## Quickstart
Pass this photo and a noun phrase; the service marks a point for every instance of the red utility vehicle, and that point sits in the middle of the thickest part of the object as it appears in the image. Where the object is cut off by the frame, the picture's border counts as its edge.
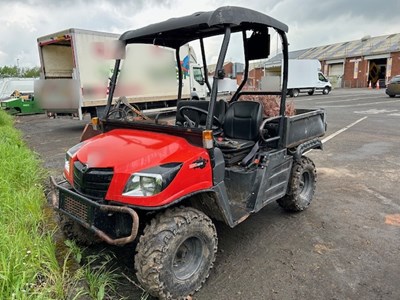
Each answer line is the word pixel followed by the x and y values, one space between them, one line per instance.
pixel 162 185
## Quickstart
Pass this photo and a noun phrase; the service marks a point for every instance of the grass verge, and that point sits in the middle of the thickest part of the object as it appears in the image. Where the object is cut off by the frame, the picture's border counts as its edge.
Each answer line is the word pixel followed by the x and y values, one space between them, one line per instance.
pixel 28 265
pixel 29 268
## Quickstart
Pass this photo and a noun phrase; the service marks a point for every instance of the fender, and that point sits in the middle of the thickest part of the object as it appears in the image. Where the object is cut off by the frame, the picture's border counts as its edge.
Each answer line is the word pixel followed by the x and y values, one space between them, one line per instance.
pixel 312 144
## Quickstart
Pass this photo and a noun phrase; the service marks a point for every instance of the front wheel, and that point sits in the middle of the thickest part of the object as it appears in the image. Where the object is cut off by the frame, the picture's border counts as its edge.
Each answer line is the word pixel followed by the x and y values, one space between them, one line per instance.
pixel 301 186
pixel 326 90
pixel 175 253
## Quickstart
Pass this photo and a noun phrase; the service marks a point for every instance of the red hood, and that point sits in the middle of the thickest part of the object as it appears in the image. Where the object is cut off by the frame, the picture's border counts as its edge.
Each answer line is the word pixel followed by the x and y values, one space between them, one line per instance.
pixel 130 151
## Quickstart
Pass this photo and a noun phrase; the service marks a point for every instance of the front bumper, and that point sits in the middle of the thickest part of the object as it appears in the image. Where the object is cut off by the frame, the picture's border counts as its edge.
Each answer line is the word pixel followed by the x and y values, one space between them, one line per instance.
pixel 83 210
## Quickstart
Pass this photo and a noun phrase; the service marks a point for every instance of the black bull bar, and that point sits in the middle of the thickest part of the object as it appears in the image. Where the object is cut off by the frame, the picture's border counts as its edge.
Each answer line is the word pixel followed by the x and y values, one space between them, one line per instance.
pixel 82 210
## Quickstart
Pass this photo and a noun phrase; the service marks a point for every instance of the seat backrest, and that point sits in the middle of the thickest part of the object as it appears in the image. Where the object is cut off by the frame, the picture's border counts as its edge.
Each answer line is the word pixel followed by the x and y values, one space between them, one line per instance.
pixel 220 110
pixel 243 120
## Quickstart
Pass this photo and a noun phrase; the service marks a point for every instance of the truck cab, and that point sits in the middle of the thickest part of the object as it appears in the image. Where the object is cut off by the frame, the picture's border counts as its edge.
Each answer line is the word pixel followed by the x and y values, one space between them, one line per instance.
pixel 163 182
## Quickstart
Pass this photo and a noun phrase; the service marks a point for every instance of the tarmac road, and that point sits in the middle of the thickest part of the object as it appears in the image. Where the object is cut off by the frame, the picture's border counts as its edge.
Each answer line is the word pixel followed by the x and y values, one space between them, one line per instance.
pixel 345 246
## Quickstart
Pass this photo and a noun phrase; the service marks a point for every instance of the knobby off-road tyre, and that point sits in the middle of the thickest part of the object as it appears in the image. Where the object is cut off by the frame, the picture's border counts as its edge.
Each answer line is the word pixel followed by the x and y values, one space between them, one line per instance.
pixel 77 232
pixel 301 186
pixel 175 253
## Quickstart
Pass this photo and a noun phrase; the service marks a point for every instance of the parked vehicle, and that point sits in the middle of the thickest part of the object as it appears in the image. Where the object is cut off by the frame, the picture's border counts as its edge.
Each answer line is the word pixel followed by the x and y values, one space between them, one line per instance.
pixel 164 185
pixel 21 104
pixel 76 65
pixel 304 76
pixel 8 86
pixel 225 85
pixel 393 87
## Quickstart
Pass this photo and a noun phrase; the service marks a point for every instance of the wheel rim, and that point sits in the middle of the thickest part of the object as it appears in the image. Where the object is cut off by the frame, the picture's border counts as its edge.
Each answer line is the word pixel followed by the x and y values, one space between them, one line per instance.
pixel 305 185
pixel 188 258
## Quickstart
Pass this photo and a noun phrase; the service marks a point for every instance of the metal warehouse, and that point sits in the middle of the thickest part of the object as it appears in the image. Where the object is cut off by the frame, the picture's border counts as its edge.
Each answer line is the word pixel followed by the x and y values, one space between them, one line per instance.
pixel 370 61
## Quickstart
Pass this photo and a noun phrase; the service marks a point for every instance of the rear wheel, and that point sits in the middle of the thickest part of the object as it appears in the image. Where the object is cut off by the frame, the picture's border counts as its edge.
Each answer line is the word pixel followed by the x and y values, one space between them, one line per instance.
pixel 311 92
pixel 175 253
pixel 392 96
pixel 326 90
pixel 301 186
pixel 295 92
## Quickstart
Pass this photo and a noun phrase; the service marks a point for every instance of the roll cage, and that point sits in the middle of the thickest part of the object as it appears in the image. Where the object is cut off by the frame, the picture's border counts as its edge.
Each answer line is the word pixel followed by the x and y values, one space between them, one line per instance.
pixel 175 32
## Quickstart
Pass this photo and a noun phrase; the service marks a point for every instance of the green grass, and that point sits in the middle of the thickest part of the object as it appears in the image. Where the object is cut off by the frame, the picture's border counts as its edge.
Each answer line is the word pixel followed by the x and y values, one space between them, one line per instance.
pixel 29 268
pixel 98 272
pixel 28 265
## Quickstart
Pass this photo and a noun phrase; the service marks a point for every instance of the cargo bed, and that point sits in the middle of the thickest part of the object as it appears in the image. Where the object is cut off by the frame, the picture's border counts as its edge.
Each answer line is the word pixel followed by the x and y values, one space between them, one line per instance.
pixel 305 125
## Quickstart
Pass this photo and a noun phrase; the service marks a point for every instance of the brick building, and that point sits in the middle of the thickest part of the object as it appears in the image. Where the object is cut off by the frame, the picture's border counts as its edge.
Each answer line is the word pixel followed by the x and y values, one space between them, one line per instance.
pixel 234 70
pixel 355 63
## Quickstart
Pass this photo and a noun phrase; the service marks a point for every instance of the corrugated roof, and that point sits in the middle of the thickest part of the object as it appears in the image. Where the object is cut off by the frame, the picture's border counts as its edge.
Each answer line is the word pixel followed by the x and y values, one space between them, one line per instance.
pixel 362 47
pixel 277 59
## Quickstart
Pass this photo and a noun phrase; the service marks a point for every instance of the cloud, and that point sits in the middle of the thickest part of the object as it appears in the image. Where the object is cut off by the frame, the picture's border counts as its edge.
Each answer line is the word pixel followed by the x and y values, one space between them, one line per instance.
pixel 311 22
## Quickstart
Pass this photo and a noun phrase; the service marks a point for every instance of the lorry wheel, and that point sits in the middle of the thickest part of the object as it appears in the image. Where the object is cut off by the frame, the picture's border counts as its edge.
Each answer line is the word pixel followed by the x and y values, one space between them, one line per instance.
pixel 175 253
pixel 326 91
pixel 77 232
pixel 301 186
pixel 295 92
pixel 311 92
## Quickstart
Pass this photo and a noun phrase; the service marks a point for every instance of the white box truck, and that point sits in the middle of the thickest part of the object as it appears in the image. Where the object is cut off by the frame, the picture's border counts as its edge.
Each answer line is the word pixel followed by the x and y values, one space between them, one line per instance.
pixel 76 66
pixel 304 75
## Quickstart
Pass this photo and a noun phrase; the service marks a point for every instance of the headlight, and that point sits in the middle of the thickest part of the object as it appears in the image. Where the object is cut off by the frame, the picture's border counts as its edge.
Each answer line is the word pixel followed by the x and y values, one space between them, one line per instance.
pixel 143 185
pixel 151 181
pixel 75 149
pixel 67 163
pixel 71 152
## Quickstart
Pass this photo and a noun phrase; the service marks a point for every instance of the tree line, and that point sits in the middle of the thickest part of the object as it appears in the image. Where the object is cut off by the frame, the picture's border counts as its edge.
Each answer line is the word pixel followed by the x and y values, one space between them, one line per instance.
pixel 15 71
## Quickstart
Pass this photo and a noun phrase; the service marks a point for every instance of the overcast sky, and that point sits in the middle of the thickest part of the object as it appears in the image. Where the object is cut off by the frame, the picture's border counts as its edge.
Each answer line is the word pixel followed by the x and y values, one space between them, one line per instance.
pixel 311 22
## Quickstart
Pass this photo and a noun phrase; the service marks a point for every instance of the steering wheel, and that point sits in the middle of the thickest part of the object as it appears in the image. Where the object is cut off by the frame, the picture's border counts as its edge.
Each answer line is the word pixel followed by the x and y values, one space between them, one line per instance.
pixel 198 112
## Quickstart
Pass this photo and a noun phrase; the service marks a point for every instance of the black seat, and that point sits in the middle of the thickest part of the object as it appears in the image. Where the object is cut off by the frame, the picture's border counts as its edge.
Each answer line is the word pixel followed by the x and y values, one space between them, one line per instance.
pixel 241 129
pixel 220 110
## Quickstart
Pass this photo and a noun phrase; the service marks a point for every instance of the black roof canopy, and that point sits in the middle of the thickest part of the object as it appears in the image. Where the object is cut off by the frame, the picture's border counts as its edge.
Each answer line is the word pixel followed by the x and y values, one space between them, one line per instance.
pixel 179 31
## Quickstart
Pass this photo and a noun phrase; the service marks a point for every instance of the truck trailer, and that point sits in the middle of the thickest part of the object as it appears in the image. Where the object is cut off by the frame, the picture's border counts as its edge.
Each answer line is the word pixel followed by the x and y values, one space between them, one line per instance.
pixel 76 66
pixel 304 76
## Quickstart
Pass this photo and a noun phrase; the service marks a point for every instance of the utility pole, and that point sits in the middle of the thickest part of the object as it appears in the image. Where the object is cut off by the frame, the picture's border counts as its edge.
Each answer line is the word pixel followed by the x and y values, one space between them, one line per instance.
pixel 18 73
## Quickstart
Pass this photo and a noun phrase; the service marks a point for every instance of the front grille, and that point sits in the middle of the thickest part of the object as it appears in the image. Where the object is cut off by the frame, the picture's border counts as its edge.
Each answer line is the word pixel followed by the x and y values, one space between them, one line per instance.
pixel 76 208
pixel 92 182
